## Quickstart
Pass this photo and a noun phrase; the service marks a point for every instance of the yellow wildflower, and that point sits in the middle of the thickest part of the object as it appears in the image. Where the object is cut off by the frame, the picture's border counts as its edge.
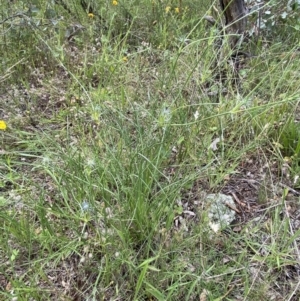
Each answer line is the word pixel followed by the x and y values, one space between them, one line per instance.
pixel 91 15
pixel 2 125
pixel 168 8
pixel 177 10
pixel 115 2
pixel 125 59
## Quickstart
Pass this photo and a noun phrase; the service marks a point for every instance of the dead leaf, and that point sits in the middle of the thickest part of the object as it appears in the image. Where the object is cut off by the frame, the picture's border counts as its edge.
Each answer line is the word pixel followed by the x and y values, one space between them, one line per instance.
pixel 225 260
pixel 204 295
pixel 188 212
pixel 8 287
pixel 237 229
pixel 213 145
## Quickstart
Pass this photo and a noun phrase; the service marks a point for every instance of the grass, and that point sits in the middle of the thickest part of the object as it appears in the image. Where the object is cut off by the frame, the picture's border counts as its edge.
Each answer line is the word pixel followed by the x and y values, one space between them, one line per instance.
pixel 116 132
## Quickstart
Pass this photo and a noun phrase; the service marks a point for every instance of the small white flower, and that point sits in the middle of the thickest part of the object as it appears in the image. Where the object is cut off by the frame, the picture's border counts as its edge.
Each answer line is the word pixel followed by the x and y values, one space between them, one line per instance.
pixel 90 162
pixel 46 161
pixel 166 114
pixel 165 117
pixel 85 206
pixel 196 115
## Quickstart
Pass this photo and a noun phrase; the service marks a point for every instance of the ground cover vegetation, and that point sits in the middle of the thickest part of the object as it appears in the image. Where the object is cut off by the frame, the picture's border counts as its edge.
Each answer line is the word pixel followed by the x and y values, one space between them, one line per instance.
pixel 117 119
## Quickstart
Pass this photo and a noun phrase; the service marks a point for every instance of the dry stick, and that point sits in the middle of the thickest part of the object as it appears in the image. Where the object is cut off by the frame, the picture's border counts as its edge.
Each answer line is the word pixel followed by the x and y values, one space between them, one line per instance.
pixel 289 188
pixel 11 17
pixel 232 207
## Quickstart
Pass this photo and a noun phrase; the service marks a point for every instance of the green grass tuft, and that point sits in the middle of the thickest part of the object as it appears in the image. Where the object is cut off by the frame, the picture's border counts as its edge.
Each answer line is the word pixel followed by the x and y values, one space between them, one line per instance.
pixel 118 126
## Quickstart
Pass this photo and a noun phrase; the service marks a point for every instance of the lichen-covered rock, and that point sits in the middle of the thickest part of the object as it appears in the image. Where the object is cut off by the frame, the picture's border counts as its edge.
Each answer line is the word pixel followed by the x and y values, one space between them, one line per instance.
pixel 219 210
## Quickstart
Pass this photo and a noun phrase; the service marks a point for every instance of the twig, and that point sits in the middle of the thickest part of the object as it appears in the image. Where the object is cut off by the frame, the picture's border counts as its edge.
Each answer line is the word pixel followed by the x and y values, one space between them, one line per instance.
pixel 11 17
pixel 232 207
pixel 289 188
